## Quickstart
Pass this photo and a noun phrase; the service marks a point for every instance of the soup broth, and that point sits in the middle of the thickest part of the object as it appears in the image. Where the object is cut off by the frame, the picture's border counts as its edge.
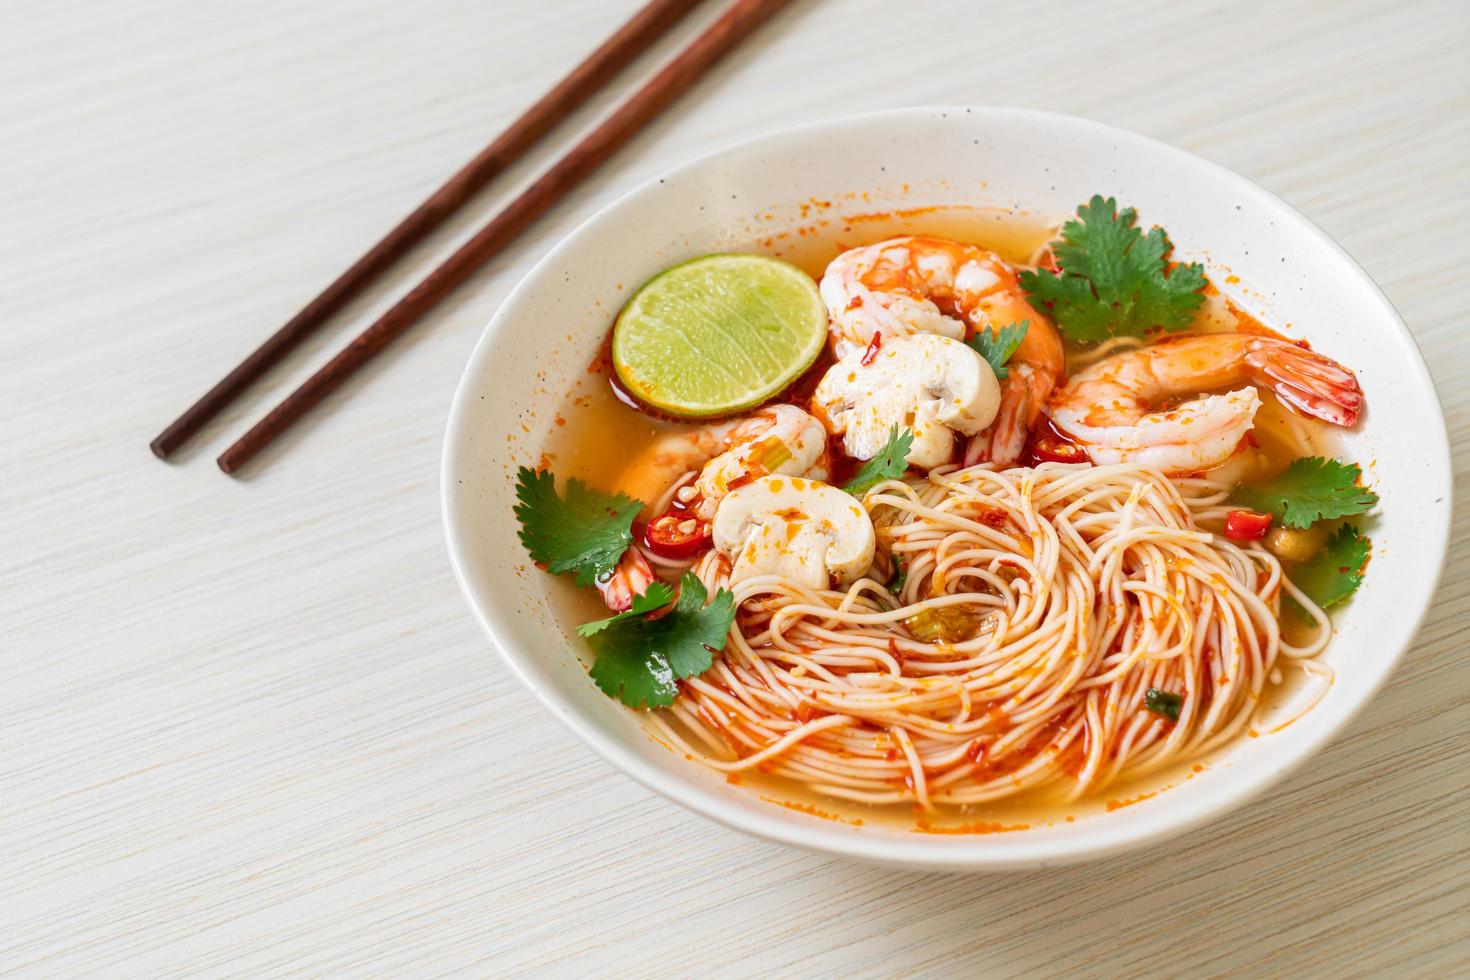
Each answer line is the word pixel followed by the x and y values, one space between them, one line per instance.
pixel 600 428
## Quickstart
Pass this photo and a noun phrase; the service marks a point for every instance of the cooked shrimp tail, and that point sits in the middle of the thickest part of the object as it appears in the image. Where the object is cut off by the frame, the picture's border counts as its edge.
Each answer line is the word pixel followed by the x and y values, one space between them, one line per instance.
pixel 1022 394
pixel 1308 382
pixel 632 576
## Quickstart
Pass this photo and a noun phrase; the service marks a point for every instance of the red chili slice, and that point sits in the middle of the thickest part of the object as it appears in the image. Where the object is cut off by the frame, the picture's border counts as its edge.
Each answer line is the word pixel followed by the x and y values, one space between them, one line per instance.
pixel 1246 525
pixel 676 536
pixel 872 350
pixel 1048 444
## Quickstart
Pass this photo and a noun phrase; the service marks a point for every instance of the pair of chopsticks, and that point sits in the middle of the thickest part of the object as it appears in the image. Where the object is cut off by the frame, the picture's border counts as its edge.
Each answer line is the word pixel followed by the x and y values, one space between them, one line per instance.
pixel 674 79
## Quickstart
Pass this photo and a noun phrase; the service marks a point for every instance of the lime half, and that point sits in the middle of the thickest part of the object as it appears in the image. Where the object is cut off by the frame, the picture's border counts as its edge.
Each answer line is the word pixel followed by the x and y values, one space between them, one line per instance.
pixel 718 334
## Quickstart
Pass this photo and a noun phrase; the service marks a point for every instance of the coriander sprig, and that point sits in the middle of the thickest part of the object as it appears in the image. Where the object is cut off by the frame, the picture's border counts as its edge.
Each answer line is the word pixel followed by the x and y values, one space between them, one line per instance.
pixel 1311 489
pixel 890 463
pixel 1113 280
pixel 998 347
pixel 1337 570
pixel 583 533
pixel 641 658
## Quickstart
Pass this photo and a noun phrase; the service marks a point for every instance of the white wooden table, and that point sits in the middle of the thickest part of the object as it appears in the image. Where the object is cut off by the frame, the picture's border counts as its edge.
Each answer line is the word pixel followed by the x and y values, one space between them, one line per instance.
pixel 247 726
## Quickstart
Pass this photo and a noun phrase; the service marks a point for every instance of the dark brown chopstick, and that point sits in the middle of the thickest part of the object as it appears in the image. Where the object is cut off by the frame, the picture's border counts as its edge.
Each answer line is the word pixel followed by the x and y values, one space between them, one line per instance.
pixel 631 40
pixel 672 81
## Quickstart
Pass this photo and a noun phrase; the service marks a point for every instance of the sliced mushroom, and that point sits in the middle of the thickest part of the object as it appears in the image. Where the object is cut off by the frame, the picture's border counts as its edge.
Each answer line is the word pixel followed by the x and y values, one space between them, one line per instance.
pixel 804 530
pixel 930 385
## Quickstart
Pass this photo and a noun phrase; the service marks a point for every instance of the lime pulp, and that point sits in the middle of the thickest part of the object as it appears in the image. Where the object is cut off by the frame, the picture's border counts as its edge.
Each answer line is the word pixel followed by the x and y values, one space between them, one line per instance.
pixel 718 334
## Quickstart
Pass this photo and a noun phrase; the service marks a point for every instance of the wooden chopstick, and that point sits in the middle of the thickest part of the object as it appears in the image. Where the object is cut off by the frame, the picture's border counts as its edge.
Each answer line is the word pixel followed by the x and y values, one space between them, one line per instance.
pixel 672 81
pixel 631 40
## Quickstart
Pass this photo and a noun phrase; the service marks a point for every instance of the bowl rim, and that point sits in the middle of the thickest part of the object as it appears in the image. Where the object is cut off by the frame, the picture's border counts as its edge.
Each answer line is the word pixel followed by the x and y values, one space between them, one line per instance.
pixel 924 853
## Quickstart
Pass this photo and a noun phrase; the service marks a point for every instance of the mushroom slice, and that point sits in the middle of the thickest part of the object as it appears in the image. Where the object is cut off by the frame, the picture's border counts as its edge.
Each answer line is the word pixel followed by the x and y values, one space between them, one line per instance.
pixel 931 385
pixel 801 529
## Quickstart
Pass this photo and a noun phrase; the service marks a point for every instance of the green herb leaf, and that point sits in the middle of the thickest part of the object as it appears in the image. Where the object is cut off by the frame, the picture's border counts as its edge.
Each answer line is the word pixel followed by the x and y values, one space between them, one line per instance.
pixel 640 660
pixel 900 574
pixel 652 599
pixel 890 463
pixel 1115 281
pixel 997 347
pixel 584 533
pixel 1337 571
pixel 1311 489
pixel 1165 703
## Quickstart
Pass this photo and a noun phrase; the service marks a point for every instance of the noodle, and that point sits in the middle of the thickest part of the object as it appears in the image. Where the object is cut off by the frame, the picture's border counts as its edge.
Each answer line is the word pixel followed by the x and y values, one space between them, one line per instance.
pixel 1040 607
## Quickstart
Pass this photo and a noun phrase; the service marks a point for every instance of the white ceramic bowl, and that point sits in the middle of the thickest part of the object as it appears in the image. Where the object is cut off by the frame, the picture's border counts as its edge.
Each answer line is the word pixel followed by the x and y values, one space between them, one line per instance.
pixel 539 344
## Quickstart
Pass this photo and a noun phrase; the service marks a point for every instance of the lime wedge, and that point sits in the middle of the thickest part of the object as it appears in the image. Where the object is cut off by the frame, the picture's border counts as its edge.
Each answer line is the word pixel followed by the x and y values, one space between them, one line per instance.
pixel 718 334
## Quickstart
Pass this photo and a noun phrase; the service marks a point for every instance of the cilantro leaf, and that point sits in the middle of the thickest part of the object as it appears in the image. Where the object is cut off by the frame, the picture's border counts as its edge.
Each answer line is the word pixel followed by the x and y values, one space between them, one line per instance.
pixel 997 347
pixel 585 533
pixel 1337 571
pixel 900 575
pixel 1310 489
pixel 1165 703
pixel 639 660
pixel 889 464
pixel 651 599
pixel 1115 281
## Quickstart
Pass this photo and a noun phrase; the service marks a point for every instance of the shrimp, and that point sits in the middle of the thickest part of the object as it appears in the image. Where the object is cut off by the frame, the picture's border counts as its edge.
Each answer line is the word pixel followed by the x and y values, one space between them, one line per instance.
pixel 1031 374
pixel 780 439
pixel 1106 407
pixel 912 285
pixel 630 577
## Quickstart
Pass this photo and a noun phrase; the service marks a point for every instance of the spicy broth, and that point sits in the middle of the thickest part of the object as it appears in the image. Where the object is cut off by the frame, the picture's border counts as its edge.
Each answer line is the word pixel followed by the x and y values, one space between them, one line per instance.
pixel 599 431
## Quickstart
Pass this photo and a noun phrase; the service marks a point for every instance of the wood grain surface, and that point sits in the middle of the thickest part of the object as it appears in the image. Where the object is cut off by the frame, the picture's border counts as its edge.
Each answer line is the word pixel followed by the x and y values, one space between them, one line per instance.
pixel 249 727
